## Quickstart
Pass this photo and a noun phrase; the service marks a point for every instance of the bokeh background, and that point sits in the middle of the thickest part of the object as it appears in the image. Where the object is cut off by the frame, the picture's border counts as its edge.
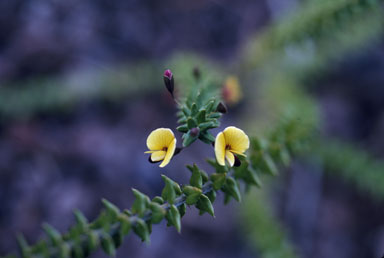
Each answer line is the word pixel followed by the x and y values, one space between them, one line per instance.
pixel 81 88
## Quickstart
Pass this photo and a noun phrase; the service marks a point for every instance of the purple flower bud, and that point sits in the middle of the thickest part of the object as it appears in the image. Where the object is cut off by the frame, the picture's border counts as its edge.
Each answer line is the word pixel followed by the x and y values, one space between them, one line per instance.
pixel 195 131
pixel 221 108
pixel 169 81
pixel 168 74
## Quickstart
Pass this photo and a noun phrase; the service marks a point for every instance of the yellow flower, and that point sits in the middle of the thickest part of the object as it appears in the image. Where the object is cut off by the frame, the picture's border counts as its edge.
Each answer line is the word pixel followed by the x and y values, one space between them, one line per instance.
pixel 161 144
pixel 231 91
pixel 229 142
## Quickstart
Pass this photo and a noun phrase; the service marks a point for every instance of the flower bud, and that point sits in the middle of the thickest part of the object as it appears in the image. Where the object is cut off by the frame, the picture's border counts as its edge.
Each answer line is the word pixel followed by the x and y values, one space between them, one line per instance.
pixel 195 131
pixel 196 73
pixel 169 81
pixel 221 108
pixel 231 91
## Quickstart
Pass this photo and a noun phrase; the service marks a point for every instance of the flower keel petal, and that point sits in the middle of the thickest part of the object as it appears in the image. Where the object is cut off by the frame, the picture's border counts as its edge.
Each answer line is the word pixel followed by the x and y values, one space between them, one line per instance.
pixel 158 155
pixel 230 158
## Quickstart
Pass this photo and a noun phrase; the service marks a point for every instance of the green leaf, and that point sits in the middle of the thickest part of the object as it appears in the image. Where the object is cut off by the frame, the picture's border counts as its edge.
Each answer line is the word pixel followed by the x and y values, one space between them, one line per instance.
pixel 192 193
pixel 93 240
pixel 206 137
pixel 227 198
pixel 208 125
pixel 182 128
pixel 78 251
pixel 112 210
pixel 188 139
pixel 204 204
pixel 100 221
pixel 141 203
pixel 158 212
pixel 285 157
pixel 186 111
pixel 182 208
pixel 149 226
pixel 127 212
pixel 218 180
pixel 64 250
pixel 182 120
pixel 53 234
pixel 246 173
pixel 24 247
pixel 194 109
pixel 211 195
pixel 196 179
pixel 218 168
pixel 123 230
pixel 75 234
pixel 173 217
pixel 141 229
pixel 81 220
pixel 158 200
pixel 210 105
pixel 201 116
pixel 232 188
pixel 168 193
pixel 215 115
pixel 204 176
pixel 252 177
pixel 125 224
pixel 175 185
pixel 191 123
pixel 107 244
pixel 41 247
pixel 269 166
pixel 258 144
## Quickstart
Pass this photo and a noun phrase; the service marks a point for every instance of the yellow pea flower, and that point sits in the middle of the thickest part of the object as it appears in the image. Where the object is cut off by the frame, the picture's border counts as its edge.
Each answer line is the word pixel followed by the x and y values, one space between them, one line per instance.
pixel 162 145
pixel 231 91
pixel 229 142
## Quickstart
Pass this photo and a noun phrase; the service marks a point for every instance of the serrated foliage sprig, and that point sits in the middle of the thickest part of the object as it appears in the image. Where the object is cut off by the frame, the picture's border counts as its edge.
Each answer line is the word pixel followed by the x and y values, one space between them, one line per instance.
pixel 199 112
pixel 109 229
pixel 112 225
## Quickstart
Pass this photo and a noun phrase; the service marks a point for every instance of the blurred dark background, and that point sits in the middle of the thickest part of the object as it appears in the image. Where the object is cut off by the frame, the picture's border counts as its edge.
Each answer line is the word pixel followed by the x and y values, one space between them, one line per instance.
pixel 53 162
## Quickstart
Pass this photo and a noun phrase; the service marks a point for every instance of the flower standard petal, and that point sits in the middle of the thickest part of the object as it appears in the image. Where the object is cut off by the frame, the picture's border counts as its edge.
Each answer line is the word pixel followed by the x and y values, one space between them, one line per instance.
pixel 158 155
pixel 230 157
pixel 236 139
pixel 160 139
pixel 220 149
pixel 169 154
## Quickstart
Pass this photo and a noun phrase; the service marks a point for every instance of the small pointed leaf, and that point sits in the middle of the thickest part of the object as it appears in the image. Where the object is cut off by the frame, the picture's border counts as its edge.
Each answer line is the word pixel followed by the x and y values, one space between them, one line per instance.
pixel 205 204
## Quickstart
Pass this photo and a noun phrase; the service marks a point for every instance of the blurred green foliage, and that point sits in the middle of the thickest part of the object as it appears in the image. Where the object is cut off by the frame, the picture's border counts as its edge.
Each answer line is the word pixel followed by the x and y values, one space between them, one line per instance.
pixel 264 231
pixel 353 164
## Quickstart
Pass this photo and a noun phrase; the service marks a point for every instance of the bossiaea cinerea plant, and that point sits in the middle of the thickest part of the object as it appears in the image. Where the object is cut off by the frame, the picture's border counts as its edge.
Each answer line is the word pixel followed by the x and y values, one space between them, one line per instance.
pixel 237 159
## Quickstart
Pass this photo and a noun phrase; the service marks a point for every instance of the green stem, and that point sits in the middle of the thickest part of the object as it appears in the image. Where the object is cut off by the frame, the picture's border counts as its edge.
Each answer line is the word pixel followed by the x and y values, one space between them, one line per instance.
pixel 115 228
